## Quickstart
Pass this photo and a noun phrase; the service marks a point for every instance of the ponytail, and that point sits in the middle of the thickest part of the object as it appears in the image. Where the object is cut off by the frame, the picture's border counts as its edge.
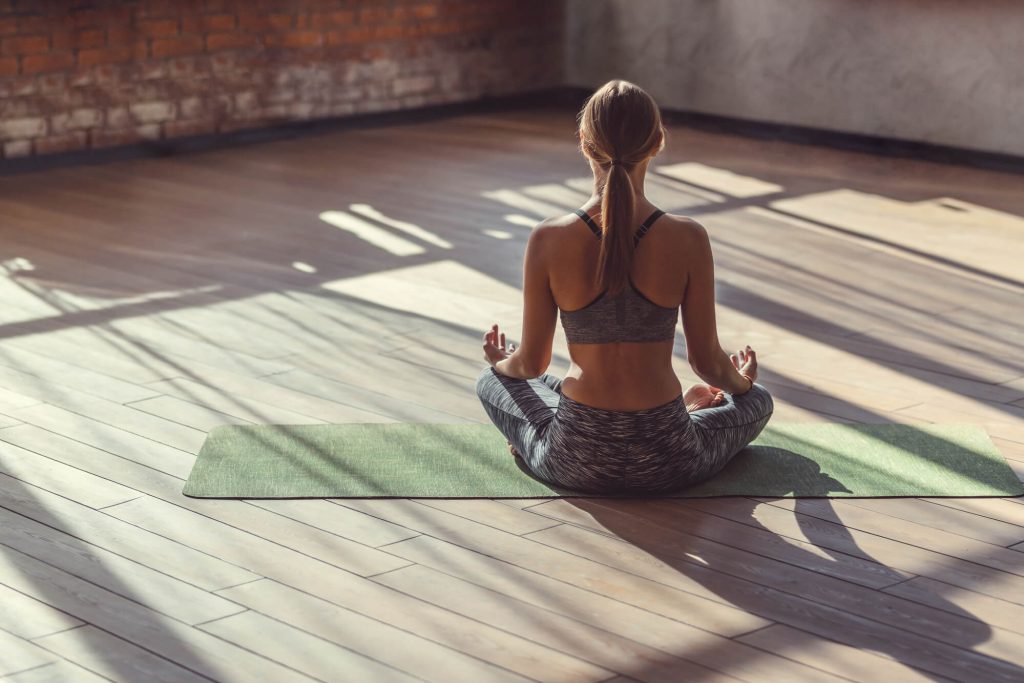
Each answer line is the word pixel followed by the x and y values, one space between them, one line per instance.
pixel 619 127
pixel 617 206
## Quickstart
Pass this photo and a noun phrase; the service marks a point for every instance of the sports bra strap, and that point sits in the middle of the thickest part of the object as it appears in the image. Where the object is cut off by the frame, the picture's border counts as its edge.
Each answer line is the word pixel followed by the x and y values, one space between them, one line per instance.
pixel 644 227
pixel 590 222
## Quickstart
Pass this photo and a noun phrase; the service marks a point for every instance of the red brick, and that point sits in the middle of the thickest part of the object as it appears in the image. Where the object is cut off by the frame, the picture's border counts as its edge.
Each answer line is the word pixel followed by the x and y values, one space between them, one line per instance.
pixel 175 129
pixel 280 21
pixel 67 40
pixel 174 47
pixel 120 35
pixel 26 45
pixel 61 143
pixel 373 15
pixel 105 55
pixel 34 64
pixel 425 11
pixel 191 24
pixel 218 22
pixel 8 66
pixel 159 28
pixel 347 36
pixel 8 25
pixel 87 17
pixel 259 21
pixel 229 41
pixel 113 138
pixel 389 32
pixel 32 23
pixel 324 20
pixel 297 39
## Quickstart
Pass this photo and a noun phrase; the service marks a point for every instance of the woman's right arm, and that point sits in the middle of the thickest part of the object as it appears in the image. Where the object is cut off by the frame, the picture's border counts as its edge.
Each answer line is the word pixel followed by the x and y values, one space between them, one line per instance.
pixel 703 349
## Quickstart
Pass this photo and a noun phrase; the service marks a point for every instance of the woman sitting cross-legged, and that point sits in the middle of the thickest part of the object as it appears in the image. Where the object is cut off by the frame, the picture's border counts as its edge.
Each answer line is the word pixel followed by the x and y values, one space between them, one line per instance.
pixel 619 270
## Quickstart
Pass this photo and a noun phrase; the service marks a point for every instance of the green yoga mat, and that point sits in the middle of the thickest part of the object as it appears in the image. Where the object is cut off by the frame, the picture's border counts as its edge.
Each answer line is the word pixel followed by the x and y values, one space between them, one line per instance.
pixel 473 461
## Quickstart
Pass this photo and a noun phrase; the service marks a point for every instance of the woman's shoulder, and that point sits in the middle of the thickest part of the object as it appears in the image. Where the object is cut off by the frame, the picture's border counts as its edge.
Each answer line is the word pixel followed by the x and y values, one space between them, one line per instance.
pixel 683 230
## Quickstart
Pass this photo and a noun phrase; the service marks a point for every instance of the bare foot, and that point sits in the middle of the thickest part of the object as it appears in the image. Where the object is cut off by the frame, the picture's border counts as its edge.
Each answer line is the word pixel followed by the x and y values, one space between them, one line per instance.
pixel 701 396
pixel 513 451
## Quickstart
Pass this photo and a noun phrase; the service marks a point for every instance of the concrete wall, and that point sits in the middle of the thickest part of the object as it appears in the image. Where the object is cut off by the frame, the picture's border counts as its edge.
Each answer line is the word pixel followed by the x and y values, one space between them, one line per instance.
pixel 947 72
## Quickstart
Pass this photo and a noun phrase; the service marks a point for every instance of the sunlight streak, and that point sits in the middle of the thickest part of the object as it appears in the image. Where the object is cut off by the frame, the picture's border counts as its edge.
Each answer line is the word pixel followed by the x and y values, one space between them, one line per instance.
pixel 404 226
pixel 370 233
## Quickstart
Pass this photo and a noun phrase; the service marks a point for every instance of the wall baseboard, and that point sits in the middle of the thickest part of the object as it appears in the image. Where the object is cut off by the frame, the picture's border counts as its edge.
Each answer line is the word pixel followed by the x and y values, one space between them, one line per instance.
pixel 570 96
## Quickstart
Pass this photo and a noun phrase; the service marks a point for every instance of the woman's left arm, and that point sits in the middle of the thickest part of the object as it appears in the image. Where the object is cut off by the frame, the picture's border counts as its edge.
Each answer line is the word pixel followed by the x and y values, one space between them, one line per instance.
pixel 540 313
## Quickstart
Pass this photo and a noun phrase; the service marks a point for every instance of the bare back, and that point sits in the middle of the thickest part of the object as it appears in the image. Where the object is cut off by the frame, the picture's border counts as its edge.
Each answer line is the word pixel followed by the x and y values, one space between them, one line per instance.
pixel 621 375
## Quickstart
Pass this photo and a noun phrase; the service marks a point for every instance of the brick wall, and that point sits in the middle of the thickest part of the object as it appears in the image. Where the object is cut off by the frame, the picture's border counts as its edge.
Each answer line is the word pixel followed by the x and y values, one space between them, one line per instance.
pixel 77 75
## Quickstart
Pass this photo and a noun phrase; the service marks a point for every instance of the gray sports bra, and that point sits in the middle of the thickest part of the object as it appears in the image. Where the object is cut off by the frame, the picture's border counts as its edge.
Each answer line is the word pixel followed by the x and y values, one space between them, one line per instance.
pixel 628 316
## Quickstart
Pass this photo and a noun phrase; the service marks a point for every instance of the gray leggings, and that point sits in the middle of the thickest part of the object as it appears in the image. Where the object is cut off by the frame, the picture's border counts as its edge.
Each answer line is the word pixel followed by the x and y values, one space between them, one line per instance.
pixel 593 450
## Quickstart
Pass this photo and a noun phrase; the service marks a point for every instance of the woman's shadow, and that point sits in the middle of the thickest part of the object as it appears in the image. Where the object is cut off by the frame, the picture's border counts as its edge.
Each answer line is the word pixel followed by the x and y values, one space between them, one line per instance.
pixel 811 591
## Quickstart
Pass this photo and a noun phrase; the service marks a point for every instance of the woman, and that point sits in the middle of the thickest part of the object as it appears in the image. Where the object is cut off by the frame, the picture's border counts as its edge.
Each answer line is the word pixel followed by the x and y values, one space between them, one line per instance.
pixel 619 270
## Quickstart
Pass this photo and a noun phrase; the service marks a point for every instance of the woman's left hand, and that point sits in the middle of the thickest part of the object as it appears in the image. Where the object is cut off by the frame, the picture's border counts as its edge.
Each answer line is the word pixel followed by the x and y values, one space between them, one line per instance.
pixel 494 345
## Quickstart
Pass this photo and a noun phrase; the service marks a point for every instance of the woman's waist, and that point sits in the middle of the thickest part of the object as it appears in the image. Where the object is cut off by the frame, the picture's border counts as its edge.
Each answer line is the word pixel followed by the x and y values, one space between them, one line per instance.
pixel 621 392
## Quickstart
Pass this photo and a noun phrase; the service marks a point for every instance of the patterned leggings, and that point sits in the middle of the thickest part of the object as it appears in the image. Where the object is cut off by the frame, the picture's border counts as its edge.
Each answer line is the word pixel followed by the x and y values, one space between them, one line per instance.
pixel 593 450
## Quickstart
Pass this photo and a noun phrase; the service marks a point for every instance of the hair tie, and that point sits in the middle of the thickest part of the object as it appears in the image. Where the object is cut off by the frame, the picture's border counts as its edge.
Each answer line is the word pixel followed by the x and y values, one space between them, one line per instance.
pixel 616 161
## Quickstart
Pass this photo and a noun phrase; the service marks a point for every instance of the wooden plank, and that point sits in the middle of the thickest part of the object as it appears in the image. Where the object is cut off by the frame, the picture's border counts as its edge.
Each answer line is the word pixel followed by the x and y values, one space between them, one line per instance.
pixel 445 394
pixel 874 521
pixel 824 605
pixel 281 543
pixel 328 410
pixel 319 659
pixel 993 611
pixel 86 430
pixel 998 509
pixel 490 512
pixel 832 536
pixel 159 344
pixel 85 417
pixel 70 375
pixel 219 518
pixel 341 521
pixel 669 637
pixel 19 654
pixel 367 399
pixel 709 536
pixel 122 576
pixel 114 658
pixel 414 637
pixel 241 406
pixel 56 672
pixel 950 519
pixel 53 476
pixel 576 638
pixel 100 529
pixel 842 660
pixel 189 647
pixel 652 596
pixel 186 413
pixel 10 400
pixel 28 618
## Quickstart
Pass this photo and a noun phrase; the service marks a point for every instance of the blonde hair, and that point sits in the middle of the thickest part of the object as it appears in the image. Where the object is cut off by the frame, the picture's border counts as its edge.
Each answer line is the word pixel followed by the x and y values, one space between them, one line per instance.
pixel 618 122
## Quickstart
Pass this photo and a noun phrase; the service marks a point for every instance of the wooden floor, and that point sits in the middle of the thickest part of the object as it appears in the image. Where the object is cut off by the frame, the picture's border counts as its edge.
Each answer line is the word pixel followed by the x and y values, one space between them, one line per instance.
pixel 348 277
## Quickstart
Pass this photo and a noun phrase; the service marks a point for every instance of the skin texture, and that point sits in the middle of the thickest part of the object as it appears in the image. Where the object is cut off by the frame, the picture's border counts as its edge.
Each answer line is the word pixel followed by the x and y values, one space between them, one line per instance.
pixel 672 266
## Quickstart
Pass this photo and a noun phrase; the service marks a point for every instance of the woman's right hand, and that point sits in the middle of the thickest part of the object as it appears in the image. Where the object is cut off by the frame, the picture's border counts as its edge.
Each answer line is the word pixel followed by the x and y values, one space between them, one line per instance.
pixel 745 362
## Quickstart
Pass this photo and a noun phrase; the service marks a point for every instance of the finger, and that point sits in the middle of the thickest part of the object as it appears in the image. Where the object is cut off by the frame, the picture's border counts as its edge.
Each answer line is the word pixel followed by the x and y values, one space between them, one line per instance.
pixel 735 361
pixel 502 337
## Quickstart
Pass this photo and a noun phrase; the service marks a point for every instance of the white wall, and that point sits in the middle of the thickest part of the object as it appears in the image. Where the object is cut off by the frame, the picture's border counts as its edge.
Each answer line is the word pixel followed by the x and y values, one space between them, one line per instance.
pixel 947 72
